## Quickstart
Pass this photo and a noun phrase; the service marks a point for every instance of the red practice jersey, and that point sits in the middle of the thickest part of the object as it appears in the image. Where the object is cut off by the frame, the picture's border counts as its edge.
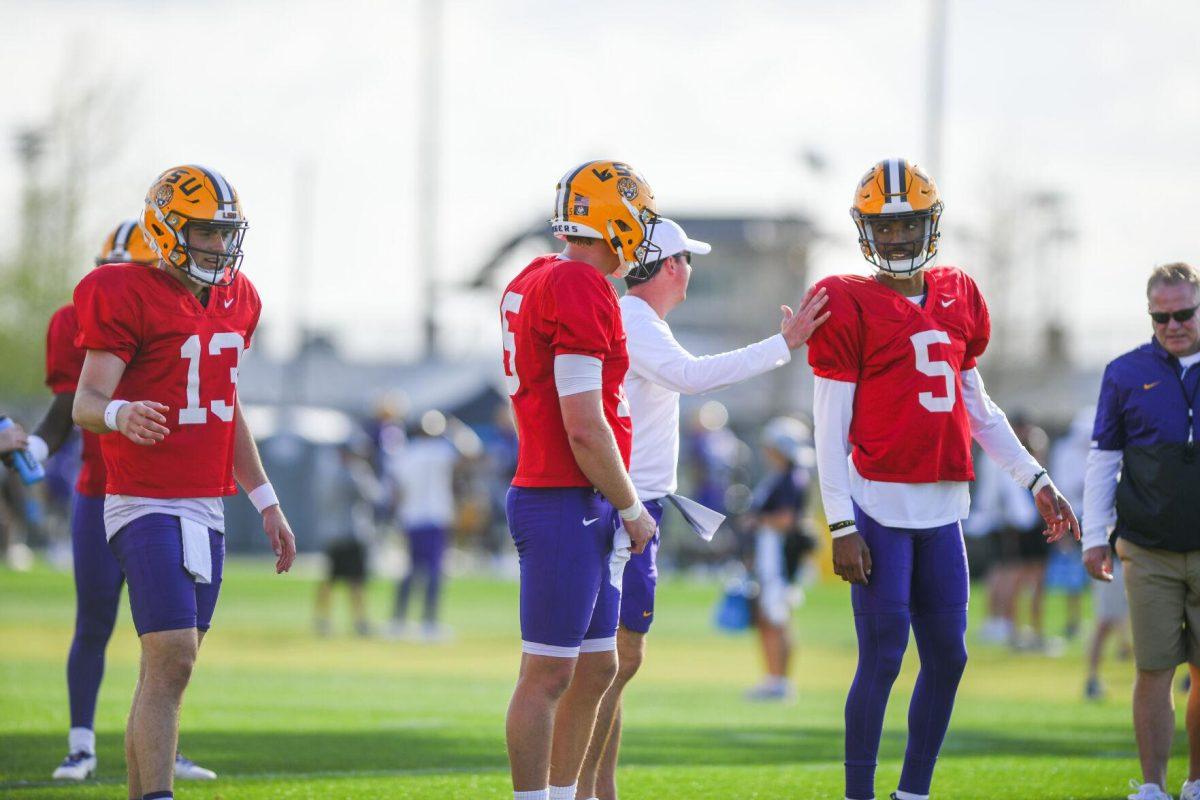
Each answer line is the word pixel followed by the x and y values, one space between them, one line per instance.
pixel 64 361
pixel 557 307
pixel 909 423
pixel 179 353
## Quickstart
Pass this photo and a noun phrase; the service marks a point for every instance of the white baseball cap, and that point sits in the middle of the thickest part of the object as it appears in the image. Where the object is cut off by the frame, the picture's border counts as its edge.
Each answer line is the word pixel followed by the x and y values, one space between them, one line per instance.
pixel 669 237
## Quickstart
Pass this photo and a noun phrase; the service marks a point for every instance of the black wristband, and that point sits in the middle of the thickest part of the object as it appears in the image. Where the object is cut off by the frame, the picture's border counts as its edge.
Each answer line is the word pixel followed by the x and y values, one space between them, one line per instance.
pixel 837 526
pixel 1036 478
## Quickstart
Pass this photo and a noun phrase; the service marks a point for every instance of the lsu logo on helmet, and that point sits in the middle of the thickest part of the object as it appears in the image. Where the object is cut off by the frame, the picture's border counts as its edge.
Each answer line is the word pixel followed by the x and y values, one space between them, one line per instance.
pixel 126 245
pixel 610 201
pixel 193 219
pixel 896 210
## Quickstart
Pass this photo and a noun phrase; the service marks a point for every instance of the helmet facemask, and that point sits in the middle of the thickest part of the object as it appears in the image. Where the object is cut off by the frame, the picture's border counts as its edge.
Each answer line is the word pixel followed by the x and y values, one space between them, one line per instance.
pixel 899 255
pixel 203 262
pixel 645 253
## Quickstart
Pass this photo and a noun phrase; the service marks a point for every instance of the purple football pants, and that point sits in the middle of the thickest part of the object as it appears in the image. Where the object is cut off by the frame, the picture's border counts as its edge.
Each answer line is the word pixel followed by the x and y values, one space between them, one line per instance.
pixel 98 581
pixel 919 579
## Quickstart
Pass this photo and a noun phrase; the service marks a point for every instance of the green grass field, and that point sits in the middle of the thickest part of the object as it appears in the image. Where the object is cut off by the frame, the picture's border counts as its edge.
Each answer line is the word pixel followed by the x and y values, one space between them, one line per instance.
pixel 279 713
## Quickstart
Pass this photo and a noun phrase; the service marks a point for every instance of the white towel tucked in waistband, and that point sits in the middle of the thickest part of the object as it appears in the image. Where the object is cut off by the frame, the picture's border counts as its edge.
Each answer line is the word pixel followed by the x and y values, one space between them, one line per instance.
pixel 622 547
pixel 197 551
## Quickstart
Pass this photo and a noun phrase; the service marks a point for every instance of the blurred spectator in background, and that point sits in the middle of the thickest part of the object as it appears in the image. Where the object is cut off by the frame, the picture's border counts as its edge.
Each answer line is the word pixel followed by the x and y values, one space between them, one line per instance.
pixel 1064 570
pixel 780 544
pixel 713 454
pixel 348 493
pixel 424 474
pixel 1110 609
pixel 1019 552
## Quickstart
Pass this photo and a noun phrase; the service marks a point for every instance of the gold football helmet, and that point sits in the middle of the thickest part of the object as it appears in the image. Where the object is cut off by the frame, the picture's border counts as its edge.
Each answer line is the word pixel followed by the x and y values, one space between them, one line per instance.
pixel 126 245
pixel 190 211
pixel 609 200
pixel 897 209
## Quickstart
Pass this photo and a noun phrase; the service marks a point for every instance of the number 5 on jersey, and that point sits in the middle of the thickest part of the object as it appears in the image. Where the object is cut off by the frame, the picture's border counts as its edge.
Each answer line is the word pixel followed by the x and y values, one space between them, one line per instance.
pixel 937 369
pixel 194 413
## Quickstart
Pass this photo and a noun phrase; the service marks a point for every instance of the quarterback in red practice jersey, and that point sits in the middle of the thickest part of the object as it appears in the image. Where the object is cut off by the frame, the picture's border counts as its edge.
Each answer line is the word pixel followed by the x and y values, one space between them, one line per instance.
pixel 163 350
pixel 897 402
pixel 572 509
pixel 98 576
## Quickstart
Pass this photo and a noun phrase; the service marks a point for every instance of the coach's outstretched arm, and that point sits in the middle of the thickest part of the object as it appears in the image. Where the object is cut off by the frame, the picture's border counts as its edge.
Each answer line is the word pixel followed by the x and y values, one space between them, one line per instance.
pixel 141 421
pixel 250 475
pixel 596 452
pixel 990 427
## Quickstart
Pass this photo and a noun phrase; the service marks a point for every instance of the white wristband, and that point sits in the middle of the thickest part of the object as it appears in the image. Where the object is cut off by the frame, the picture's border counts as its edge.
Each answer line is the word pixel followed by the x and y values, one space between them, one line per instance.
pixel 110 413
pixel 263 497
pixel 38 448
pixel 1041 483
pixel 631 513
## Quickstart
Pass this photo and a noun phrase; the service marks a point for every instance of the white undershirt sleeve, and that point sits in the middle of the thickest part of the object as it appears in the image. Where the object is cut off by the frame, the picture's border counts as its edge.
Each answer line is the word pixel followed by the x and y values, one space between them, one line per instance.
pixel 655 354
pixel 575 374
pixel 990 427
pixel 1100 495
pixel 833 407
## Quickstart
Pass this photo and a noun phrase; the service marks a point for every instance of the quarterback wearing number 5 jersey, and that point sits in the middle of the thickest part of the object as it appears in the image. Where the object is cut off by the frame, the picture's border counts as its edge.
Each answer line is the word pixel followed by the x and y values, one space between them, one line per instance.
pixel 572 510
pixel 897 401
pixel 164 345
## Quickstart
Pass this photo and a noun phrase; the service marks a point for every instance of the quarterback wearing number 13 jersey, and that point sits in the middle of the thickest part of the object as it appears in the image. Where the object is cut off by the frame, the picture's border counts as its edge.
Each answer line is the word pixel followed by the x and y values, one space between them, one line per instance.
pixel 180 353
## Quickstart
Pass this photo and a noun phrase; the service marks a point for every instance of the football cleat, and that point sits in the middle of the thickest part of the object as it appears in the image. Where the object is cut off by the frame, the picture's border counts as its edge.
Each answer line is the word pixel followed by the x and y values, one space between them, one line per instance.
pixel 126 245
pixel 609 200
pixel 188 770
pixel 193 220
pixel 896 210
pixel 1147 791
pixel 76 767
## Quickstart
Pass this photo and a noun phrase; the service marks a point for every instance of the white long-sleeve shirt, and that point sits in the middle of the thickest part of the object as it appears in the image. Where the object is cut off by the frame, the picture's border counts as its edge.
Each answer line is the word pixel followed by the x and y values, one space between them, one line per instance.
pixel 1100 495
pixel 660 370
pixel 907 505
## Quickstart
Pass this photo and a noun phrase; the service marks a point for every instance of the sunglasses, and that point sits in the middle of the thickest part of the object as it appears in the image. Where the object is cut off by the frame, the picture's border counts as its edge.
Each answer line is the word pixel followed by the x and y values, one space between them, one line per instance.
pixel 1182 315
pixel 686 256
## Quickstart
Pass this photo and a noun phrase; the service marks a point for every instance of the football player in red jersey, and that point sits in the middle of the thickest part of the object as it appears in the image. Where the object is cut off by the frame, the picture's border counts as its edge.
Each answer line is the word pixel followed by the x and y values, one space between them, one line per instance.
pixel 898 399
pixel 572 509
pixel 163 348
pixel 98 576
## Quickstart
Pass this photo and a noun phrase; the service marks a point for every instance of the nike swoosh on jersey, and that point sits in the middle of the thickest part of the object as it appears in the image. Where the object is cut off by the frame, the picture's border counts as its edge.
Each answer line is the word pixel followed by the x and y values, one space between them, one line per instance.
pixel 587 521
pixel 647 613
pixel 229 302
pixel 1148 386
pixel 948 303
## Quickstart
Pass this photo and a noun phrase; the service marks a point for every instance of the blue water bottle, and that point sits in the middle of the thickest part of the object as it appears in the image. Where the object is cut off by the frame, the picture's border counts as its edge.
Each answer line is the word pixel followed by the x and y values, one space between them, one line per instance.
pixel 20 460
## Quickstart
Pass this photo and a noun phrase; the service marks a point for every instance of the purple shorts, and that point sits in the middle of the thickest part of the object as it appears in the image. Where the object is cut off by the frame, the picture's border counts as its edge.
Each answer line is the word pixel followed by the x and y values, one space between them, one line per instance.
pixel 641 579
pixel 162 594
pixel 564 540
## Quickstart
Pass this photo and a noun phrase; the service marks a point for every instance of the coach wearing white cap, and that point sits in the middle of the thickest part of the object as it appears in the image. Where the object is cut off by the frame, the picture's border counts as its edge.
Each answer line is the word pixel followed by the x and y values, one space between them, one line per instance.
pixel 660 370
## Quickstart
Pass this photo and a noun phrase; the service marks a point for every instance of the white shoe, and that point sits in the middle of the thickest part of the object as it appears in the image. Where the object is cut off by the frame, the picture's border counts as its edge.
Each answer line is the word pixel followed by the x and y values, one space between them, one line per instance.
pixel 188 770
pixel 76 767
pixel 1147 791
pixel 1190 790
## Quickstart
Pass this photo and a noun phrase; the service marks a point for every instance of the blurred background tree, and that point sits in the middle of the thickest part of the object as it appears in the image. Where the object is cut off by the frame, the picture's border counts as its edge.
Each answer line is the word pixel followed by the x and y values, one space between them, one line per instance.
pixel 60 161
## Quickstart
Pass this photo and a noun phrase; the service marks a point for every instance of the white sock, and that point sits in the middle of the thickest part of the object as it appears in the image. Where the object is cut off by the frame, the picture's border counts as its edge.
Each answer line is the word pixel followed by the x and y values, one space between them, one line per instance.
pixel 81 740
pixel 910 796
pixel 563 792
pixel 536 794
